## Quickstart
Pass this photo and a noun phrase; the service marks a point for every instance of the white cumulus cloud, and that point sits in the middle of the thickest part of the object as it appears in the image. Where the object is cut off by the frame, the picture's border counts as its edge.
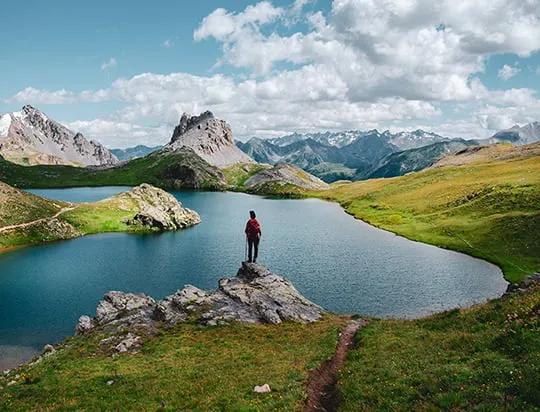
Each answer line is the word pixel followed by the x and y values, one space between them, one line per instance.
pixel 365 64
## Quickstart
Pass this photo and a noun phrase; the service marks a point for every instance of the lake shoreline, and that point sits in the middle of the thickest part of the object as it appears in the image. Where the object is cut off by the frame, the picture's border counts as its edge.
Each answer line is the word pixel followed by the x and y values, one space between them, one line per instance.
pixel 353 225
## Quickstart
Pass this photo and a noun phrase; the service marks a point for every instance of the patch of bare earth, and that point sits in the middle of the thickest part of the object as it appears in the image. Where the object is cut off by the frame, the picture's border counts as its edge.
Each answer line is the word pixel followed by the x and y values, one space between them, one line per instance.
pixel 322 389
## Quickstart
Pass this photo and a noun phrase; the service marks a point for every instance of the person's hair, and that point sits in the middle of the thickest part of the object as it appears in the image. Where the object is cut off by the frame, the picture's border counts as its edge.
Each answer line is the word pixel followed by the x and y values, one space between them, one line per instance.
pixel 252 214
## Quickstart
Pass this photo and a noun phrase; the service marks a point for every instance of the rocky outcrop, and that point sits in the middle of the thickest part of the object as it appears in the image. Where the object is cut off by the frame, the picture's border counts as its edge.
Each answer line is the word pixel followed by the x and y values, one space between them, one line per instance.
pixel 254 295
pixel 283 175
pixel 210 138
pixel 29 137
pixel 188 122
pixel 158 209
pixel 524 285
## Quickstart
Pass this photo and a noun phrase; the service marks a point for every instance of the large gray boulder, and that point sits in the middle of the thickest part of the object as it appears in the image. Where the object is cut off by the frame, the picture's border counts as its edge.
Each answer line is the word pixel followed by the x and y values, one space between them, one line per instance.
pixel 254 295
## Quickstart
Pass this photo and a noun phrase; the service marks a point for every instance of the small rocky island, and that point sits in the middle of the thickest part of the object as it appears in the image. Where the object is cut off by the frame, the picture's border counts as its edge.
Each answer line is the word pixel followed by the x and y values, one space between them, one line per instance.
pixel 254 295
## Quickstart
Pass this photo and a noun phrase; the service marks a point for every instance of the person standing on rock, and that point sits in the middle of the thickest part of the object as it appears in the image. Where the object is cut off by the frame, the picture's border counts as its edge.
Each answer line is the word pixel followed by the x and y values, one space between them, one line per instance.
pixel 253 236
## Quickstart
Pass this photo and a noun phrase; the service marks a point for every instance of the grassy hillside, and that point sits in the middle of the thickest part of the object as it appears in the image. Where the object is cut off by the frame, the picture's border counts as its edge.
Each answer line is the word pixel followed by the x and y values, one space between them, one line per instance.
pixel 237 175
pixel 17 206
pixel 277 180
pixel 178 169
pixel 187 368
pixel 487 207
pixel 483 358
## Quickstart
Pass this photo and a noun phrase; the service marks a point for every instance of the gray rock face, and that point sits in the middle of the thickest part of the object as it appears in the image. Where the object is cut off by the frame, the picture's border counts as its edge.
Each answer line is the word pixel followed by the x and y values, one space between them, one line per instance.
pixel 210 138
pixel 255 295
pixel 29 137
pixel 85 324
pixel 524 285
pixel 159 209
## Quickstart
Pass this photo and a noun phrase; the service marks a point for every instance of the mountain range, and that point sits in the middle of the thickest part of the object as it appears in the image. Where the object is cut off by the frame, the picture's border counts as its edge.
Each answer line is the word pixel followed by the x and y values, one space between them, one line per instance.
pixel 403 140
pixel 368 154
pixel 29 137
pixel 134 152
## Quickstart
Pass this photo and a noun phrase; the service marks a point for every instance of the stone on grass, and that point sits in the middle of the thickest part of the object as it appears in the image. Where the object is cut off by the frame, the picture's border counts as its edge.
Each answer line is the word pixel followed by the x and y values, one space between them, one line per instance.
pixel 262 389
pixel 130 343
pixel 85 324
pixel 48 349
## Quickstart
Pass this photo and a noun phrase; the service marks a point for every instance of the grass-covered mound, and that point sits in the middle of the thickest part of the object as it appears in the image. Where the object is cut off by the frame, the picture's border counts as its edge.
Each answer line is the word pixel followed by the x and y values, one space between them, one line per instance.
pixel 237 174
pixel 485 208
pixel 483 358
pixel 186 368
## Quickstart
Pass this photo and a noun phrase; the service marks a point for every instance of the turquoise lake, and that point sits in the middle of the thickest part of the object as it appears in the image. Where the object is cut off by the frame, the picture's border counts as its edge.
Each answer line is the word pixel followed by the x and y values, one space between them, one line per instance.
pixel 342 264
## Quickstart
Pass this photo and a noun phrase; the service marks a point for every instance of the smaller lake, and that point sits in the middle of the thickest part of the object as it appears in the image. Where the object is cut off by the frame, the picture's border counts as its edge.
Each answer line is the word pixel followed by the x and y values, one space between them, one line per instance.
pixel 342 264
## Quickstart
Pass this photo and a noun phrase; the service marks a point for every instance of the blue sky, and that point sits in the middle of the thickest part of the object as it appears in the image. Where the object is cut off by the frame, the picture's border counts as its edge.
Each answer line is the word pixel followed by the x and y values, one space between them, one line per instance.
pixel 271 68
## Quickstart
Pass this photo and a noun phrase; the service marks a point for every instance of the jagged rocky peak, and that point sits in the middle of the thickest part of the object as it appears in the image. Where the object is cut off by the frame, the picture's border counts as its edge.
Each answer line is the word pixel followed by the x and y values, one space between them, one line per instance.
pixel 30 137
pixel 209 137
pixel 187 122
pixel 254 295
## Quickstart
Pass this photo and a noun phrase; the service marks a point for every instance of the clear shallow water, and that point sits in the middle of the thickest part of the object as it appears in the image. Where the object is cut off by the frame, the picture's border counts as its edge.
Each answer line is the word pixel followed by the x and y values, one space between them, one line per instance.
pixel 338 262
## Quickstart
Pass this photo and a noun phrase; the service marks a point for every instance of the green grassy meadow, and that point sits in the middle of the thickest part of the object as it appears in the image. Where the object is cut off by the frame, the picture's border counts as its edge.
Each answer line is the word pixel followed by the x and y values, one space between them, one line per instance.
pixel 189 367
pixel 485 358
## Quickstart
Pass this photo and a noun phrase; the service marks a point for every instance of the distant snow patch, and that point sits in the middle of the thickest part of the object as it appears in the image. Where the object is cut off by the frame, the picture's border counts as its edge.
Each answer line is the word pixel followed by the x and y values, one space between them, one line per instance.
pixel 5 122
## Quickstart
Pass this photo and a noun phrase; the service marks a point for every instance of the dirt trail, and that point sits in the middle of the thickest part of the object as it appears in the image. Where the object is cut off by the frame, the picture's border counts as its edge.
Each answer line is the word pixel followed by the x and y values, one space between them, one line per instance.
pixel 322 390
pixel 33 222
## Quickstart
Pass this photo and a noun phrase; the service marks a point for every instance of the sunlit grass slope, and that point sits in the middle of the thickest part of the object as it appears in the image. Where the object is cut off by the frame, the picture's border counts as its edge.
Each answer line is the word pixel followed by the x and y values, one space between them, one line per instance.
pixel 485 358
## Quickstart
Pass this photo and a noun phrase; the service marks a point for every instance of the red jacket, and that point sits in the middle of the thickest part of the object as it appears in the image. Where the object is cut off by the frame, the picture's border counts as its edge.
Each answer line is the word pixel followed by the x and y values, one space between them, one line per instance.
pixel 253 229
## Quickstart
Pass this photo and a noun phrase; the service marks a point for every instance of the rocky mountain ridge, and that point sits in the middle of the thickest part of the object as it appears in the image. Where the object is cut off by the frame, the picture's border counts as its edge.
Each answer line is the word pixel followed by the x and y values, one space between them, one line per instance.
pixel 518 135
pixel 413 160
pixel 208 137
pixel 29 137
pixel 402 140
pixel 368 154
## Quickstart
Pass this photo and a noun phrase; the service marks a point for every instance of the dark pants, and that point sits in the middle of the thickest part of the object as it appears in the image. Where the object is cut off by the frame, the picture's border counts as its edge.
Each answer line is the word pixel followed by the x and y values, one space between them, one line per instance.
pixel 253 244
